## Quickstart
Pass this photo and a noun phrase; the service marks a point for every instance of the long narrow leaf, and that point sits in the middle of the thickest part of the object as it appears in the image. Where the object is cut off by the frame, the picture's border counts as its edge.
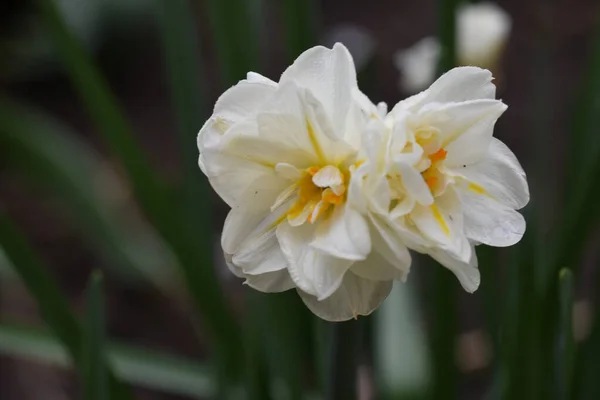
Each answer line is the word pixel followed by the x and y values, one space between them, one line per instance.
pixel 180 51
pixel 139 366
pixel 444 316
pixel 53 156
pixel 300 26
pixel 158 202
pixel 236 38
pixel 567 341
pixel 51 302
pixel 94 362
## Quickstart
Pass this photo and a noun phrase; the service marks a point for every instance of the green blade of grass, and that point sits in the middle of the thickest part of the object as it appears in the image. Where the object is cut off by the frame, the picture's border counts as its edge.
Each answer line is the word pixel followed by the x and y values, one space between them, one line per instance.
pixel 50 154
pixel 94 362
pixel 180 53
pixel 567 341
pixel 159 203
pixel 300 26
pixel 139 366
pixel 236 37
pixel 52 304
pixel 445 324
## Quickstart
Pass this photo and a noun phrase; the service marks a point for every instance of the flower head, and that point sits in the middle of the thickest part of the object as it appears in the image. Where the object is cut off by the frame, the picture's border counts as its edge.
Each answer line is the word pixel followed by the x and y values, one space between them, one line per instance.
pixel 328 191
pixel 451 184
pixel 282 155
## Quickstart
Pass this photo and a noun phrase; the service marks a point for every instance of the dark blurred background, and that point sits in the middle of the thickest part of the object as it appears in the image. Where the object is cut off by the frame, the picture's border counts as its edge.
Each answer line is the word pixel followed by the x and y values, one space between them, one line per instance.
pixel 539 77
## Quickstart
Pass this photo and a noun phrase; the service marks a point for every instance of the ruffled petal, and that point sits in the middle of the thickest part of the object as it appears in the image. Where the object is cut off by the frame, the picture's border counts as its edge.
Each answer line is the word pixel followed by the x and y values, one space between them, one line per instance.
pixel 330 76
pixel 489 221
pixel 312 270
pixel 466 128
pixel 466 272
pixel 356 296
pixel 442 223
pixel 499 175
pixel 271 282
pixel 345 234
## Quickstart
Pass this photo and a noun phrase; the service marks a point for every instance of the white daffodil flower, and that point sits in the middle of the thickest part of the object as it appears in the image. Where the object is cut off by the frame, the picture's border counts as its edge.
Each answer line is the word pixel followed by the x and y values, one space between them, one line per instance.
pixel 450 183
pixel 282 155
pixel 482 33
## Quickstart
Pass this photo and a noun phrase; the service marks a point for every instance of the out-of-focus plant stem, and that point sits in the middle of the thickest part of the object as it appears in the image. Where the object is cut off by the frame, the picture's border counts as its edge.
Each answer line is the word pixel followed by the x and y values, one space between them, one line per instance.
pixel 566 338
pixel 236 36
pixel 346 340
pixel 94 329
pixel 444 313
pixel 300 26
pixel 53 306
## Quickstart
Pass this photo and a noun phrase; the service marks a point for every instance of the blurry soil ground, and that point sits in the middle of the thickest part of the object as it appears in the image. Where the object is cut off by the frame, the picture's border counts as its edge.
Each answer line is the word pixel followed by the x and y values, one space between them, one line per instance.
pixel 548 36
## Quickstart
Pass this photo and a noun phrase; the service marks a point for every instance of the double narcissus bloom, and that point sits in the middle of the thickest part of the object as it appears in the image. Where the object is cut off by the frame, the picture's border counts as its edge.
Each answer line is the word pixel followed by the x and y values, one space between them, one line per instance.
pixel 328 191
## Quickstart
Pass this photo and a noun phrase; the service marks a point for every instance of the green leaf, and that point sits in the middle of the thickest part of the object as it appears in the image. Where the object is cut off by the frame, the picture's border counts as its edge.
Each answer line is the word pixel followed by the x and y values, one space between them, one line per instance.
pixel 300 26
pixel 236 35
pixel 94 362
pixel 140 366
pixel 53 306
pixel 52 155
pixel 160 204
pixel 444 308
pixel 181 56
pixel 344 352
pixel 566 339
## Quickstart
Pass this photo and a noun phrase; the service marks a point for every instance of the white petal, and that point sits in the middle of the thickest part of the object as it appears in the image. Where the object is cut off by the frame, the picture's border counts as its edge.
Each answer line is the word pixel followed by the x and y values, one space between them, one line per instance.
pixel 377 268
pixel 356 188
pixel 249 238
pixel 356 296
pixel 311 270
pixel 328 176
pixel 240 177
pixel 389 244
pixel 234 270
pixel 288 171
pixel 243 100
pixel 415 184
pixel 461 84
pixel 465 128
pixel 268 152
pixel 442 223
pixel 389 259
pixel 499 175
pixel 344 235
pixel 258 78
pixel 300 127
pixel 330 76
pixel 235 105
pixel 490 222
pixel 466 272
pixel 271 282
pixel 468 132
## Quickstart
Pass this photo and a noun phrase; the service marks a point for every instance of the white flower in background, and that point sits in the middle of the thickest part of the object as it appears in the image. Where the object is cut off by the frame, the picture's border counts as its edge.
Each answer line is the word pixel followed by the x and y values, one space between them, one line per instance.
pixel 418 64
pixel 450 183
pixel 482 33
pixel 282 155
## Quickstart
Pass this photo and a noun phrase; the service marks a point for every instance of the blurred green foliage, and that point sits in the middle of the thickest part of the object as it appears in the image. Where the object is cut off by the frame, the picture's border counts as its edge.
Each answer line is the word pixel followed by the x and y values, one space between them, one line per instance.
pixel 281 351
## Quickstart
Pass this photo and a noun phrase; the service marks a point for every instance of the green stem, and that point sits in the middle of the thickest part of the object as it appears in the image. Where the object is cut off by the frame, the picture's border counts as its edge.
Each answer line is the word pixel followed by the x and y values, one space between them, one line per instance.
pixel 345 351
pixel 444 314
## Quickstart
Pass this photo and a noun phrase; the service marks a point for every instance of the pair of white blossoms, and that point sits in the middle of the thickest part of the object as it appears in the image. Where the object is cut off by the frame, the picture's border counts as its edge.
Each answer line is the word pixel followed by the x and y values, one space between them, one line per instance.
pixel 328 191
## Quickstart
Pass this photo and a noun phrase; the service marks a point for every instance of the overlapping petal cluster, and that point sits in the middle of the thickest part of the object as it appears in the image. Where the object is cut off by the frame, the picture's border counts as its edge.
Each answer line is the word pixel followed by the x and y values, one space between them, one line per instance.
pixel 328 192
